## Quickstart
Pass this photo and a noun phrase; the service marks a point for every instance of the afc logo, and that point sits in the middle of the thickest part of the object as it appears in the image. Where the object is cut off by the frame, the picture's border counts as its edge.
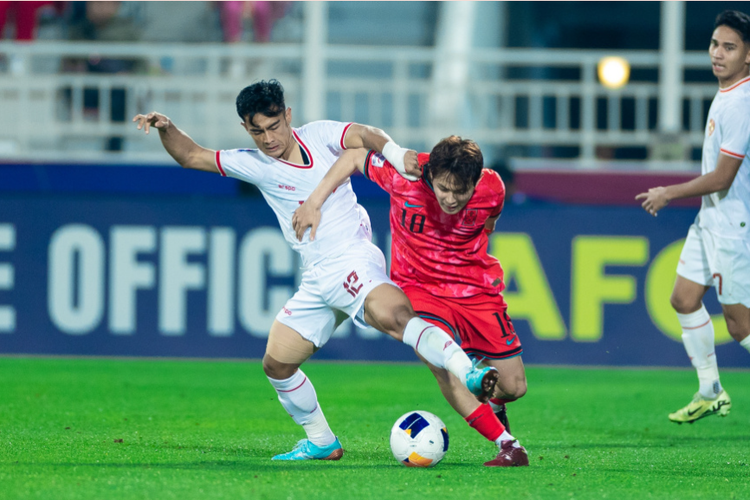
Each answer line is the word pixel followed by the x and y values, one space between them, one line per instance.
pixel 470 217
pixel 377 160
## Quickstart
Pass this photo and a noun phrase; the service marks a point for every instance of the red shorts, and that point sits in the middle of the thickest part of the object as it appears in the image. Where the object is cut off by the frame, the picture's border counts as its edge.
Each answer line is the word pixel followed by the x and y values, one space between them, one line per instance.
pixel 480 323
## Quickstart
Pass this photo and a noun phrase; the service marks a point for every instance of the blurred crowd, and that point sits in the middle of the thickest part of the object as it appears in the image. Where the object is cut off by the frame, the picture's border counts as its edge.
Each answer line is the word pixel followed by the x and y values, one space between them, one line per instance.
pixel 153 21
pixel 178 22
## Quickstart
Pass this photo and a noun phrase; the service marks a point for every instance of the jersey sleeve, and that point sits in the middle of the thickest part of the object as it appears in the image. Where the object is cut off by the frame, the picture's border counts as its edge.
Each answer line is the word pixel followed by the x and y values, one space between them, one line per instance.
pixel 240 164
pixel 380 171
pixel 496 191
pixel 735 134
pixel 328 132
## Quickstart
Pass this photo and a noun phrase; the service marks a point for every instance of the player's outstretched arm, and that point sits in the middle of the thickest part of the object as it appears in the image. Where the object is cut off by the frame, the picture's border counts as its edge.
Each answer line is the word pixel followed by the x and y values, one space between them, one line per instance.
pixel 309 214
pixel 720 179
pixel 404 160
pixel 178 144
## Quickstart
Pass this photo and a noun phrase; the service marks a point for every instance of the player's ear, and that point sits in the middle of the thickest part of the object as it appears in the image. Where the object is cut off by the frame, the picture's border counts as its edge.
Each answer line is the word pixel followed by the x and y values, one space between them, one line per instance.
pixel 288 115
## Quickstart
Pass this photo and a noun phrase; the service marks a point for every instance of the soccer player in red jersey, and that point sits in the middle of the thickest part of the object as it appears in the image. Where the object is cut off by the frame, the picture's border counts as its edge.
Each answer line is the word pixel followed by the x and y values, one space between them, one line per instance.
pixel 439 225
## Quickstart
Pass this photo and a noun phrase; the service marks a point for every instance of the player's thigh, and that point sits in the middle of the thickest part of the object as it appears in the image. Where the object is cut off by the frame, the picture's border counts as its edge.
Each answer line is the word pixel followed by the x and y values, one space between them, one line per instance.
pixel 512 376
pixel 695 273
pixel 308 314
pixel 286 350
pixel 737 317
pixel 357 283
pixel 687 295
pixel 388 309
pixel 486 329
pixel 439 311
pixel 732 271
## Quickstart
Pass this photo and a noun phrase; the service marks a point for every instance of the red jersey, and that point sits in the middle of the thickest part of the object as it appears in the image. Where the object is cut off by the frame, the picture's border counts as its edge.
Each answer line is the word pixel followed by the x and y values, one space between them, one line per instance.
pixel 444 254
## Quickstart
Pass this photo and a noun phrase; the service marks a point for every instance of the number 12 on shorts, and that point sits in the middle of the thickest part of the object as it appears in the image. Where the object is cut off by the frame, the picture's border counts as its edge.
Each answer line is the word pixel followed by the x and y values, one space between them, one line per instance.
pixel 350 285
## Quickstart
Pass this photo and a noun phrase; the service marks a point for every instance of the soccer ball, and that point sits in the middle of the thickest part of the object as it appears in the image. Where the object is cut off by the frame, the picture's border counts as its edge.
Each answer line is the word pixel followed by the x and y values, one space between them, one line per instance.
pixel 419 439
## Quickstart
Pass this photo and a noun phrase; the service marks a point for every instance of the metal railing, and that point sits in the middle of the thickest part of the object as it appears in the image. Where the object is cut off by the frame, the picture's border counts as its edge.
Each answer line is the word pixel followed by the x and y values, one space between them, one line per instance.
pixel 514 97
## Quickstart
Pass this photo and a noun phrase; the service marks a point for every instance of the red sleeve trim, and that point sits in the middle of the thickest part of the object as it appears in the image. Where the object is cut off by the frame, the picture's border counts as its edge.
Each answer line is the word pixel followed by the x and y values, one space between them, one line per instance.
pixel 733 155
pixel 343 136
pixel 218 164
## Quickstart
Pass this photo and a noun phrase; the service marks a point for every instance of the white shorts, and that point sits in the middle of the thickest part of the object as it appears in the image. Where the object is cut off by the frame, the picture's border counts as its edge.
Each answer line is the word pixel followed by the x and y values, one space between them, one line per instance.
pixel 333 290
pixel 724 263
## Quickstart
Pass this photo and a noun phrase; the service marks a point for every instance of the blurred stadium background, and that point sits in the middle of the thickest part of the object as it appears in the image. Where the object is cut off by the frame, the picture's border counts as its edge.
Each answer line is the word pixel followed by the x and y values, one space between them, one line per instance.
pixel 106 248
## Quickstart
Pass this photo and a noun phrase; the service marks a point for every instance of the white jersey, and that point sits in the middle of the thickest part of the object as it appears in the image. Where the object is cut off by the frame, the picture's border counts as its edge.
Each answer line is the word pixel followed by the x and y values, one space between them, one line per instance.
pixel 727 213
pixel 285 186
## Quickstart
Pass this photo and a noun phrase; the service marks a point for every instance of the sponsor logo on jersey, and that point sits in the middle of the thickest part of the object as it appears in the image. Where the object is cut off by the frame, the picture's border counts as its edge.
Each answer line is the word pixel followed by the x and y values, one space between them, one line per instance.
pixel 288 188
pixel 470 217
pixel 711 126
pixel 287 311
pixel 409 205
pixel 377 160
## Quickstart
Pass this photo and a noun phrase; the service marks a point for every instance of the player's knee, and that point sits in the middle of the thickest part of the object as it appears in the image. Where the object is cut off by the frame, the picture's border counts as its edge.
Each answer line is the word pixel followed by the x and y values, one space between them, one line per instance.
pixel 388 309
pixel 521 389
pixel 682 304
pixel 402 314
pixel 511 389
pixel 276 370
pixel 738 331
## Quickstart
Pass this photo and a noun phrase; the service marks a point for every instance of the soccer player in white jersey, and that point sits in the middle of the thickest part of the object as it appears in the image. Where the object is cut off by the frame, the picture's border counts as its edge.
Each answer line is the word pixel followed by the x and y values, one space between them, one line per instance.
pixel 344 273
pixel 717 249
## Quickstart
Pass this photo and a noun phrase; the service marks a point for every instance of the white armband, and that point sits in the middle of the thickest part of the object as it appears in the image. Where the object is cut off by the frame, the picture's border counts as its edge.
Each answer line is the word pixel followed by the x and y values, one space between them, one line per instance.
pixel 395 156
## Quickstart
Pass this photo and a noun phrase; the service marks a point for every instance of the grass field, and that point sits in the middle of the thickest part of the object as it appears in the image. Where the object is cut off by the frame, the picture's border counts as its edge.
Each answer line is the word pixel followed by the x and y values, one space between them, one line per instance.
pixel 104 429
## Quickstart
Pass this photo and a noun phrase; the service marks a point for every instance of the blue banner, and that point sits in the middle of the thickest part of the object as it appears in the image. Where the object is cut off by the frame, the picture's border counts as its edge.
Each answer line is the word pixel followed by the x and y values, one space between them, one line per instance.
pixel 190 276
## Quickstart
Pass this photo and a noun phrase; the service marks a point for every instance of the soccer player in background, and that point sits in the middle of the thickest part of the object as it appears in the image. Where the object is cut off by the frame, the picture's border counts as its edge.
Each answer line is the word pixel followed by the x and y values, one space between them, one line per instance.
pixel 717 249
pixel 440 226
pixel 344 273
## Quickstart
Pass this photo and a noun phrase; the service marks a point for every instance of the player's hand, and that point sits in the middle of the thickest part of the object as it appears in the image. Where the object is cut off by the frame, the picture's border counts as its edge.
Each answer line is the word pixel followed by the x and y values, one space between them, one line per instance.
pixel 306 216
pixel 153 119
pixel 654 200
pixel 411 165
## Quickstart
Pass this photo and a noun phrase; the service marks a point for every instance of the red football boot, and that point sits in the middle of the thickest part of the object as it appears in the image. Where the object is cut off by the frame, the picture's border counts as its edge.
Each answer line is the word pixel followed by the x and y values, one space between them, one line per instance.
pixel 509 456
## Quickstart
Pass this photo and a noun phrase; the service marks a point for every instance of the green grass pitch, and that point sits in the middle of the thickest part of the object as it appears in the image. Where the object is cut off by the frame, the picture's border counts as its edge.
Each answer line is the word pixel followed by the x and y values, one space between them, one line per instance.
pixel 155 429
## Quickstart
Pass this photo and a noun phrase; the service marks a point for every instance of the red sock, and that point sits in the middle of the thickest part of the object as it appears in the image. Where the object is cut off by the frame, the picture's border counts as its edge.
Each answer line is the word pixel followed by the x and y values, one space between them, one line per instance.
pixel 485 422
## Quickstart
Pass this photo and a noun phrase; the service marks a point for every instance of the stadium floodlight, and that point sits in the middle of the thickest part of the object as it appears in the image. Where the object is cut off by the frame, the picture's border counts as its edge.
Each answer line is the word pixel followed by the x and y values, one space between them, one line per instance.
pixel 614 71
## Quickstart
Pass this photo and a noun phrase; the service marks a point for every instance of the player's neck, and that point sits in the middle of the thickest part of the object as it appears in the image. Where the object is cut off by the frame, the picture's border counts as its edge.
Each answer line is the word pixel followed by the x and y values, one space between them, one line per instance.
pixel 293 153
pixel 725 84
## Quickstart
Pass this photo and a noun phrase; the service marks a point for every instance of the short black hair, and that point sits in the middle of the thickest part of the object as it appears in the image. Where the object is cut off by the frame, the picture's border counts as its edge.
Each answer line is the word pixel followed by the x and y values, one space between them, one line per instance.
pixel 458 157
pixel 738 21
pixel 264 97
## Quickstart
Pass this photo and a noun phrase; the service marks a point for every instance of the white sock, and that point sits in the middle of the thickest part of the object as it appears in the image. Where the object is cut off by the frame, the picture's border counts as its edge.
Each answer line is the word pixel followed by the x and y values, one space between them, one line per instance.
pixel 746 343
pixel 698 339
pixel 297 396
pixel 495 407
pixel 437 347
pixel 506 436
